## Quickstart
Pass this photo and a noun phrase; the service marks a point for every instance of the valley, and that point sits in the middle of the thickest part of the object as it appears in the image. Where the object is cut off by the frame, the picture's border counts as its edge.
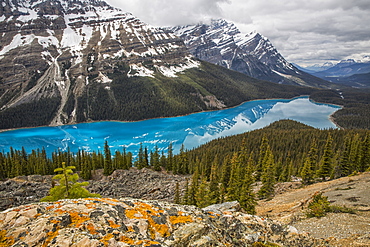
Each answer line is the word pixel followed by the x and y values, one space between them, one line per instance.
pixel 196 134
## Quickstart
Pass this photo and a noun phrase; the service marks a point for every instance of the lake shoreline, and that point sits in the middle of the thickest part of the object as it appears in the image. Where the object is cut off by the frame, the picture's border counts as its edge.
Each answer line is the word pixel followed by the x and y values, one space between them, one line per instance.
pixel 183 115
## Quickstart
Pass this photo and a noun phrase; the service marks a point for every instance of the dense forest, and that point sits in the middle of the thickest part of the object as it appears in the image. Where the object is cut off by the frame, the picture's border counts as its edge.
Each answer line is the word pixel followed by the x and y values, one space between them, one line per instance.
pixel 355 113
pixel 224 169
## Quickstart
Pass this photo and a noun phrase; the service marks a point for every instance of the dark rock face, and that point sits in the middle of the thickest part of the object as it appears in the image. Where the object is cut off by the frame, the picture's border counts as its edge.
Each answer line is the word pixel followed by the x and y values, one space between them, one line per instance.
pixel 223 44
pixel 129 222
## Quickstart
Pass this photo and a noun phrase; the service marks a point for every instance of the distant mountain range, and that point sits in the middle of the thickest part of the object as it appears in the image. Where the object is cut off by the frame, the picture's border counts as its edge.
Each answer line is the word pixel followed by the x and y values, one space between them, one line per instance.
pixel 63 62
pixel 222 43
pixel 347 72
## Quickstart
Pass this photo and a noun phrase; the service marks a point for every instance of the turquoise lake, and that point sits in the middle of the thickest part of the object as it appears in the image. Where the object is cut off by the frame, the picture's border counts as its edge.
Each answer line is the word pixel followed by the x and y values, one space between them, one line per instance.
pixel 191 130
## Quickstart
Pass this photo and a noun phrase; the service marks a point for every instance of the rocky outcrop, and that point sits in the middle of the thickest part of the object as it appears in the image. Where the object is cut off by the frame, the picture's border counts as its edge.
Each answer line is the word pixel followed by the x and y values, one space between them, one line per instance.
pixel 135 183
pixel 130 222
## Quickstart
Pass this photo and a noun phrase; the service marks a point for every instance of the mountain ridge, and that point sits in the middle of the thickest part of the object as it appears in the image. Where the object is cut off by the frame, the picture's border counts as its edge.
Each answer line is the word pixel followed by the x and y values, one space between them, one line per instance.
pixel 222 43
pixel 65 62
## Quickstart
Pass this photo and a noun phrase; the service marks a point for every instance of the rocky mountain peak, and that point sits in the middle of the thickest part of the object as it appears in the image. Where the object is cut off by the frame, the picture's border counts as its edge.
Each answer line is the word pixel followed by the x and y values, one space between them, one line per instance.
pixel 222 43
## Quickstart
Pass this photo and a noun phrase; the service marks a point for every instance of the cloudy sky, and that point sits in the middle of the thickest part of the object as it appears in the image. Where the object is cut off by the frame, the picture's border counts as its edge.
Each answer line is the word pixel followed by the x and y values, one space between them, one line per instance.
pixel 304 32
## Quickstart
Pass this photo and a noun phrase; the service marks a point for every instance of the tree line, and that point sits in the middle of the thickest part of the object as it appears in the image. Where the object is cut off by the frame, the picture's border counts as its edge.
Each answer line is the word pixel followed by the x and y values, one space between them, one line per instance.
pixel 225 169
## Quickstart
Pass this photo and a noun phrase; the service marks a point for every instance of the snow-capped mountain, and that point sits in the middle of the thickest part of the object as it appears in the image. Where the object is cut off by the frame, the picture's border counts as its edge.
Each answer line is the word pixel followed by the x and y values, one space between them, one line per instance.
pixel 222 43
pixel 345 68
pixel 317 67
pixel 56 48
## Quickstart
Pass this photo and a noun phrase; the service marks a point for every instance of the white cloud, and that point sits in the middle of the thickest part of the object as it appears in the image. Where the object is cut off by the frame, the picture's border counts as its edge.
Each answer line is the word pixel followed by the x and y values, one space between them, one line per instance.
pixel 304 32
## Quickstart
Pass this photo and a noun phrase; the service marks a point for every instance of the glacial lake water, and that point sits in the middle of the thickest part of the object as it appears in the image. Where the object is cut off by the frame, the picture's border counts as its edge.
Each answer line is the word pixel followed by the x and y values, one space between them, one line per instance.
pixel 191 130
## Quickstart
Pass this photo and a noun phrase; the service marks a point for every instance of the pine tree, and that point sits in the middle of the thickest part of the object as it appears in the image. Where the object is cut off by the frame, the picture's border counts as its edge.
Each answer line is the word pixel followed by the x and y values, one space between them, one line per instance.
pixel 202 194
pixel 169 162
pixel 344 166
pixel 193 188
pixel 85 167
pixel 140 160
pixel 68 187
pixel 261 156
pixel 326 160
pixel 185 198
pixel 233 189
pixel 365 154
pixel 177 194
pixel 182 161
pixel 155 159
pixel 247 198
pixel 268 175
pixel 307 172
pixel 214 190
pixel 108 165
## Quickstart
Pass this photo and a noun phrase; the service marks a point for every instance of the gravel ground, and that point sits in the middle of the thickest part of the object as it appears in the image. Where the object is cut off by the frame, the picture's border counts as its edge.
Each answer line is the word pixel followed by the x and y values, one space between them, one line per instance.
pixel 342 229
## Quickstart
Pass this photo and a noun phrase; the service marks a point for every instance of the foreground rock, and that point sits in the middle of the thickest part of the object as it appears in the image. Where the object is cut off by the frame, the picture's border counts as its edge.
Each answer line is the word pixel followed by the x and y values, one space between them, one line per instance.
pixel 132 222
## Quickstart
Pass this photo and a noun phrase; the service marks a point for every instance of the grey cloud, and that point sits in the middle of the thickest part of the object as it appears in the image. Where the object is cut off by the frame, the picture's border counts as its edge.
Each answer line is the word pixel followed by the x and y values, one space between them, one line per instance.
pixel 301 30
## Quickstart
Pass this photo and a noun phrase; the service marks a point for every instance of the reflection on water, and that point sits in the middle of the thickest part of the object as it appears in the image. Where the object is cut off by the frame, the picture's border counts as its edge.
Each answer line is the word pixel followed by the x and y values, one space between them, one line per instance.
pixel 192 130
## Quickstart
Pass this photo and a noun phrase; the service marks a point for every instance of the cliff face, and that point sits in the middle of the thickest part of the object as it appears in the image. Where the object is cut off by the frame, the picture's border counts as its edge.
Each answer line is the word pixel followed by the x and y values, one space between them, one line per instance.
pixel 130 222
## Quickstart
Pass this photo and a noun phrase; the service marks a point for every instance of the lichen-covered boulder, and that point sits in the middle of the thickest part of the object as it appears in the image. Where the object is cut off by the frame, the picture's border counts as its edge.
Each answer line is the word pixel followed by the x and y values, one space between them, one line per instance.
pixel 132 222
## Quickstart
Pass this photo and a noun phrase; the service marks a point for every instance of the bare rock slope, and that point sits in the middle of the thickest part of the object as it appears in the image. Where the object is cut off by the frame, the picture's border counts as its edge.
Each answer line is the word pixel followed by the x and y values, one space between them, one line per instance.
pixel 342 229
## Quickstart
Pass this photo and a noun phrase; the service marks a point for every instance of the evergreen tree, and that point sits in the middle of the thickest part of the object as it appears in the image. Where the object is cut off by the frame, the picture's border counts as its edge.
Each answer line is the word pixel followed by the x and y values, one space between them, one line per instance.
pixel 140 160
pixel 355 153
pixel 365 154
pixel 247 198
pixel 169 161
pixel 268 175
pixel 155 159
pixel 235 183
pixel 225 178
pixel 177 194
pixel 202 194
pixel 85 167
pixel 326 160
pixel 68 187
pixel 307 172
pixel 185 199
pixel 192 200
pixel 108 165
pixel 214 190
pixel 182 162
pixel 146 157
pixel 261 156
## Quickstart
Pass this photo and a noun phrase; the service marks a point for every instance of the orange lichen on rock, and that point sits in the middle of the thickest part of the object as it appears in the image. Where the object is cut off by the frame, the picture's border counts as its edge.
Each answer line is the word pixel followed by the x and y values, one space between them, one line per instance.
pixel 4 240
pixel 78 218
pixel 55 221
pixel 106 238
pixel 90 227
pixel 146 211
pixel 180 219
pixel 50 236
pixel 130 241
pixel 112 224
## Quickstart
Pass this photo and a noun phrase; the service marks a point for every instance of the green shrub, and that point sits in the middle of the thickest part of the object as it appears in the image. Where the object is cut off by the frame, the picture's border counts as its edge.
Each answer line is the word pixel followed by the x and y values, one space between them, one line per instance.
pixel 68 187
pixel 319 206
